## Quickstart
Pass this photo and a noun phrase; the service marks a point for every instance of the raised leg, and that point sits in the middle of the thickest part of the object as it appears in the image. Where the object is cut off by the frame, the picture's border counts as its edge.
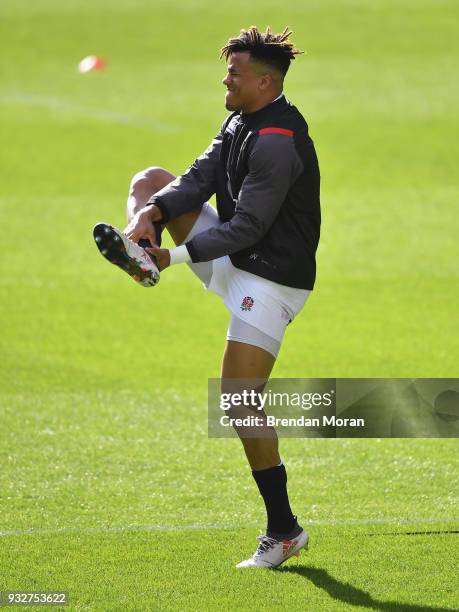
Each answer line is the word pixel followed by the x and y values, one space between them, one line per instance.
pixel 146 183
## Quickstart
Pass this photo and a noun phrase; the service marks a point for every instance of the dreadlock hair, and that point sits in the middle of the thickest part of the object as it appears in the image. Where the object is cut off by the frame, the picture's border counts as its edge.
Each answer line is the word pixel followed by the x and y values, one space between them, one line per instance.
pixel 274 50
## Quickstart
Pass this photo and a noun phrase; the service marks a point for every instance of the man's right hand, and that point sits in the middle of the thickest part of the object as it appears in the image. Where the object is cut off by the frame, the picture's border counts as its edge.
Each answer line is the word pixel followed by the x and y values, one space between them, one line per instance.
pixel 141 225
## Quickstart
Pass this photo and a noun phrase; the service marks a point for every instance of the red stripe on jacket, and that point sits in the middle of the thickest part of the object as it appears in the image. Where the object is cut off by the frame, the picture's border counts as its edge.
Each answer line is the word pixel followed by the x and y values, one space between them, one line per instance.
pixel 275 130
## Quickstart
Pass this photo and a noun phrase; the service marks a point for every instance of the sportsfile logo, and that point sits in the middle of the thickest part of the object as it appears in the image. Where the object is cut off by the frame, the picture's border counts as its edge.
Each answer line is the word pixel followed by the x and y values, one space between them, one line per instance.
pixel 260 401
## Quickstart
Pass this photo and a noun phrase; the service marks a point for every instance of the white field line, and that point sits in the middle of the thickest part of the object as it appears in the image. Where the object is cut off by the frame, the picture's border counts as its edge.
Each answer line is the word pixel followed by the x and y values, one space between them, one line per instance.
pixel 142 528
pixel 99 114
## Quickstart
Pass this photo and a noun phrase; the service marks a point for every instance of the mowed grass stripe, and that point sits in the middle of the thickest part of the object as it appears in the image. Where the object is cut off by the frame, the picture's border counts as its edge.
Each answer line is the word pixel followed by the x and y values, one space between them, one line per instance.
pixel 98 460
pixel 445 525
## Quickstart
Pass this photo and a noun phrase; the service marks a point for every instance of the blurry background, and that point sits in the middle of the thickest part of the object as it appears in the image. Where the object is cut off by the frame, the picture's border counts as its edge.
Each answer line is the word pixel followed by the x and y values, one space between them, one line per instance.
pixel 103 383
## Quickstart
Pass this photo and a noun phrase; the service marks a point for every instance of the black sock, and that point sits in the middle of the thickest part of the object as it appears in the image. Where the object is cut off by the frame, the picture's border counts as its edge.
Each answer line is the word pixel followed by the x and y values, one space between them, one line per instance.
pixel 272 484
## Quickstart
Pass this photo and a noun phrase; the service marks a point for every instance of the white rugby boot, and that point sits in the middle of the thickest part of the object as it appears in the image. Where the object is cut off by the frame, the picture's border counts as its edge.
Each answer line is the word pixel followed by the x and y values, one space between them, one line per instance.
pixel 272 553
pixel 126 254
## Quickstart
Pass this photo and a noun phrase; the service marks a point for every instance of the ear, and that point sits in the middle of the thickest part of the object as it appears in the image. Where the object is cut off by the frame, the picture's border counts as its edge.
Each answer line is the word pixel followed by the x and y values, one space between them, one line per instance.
pixel 266 80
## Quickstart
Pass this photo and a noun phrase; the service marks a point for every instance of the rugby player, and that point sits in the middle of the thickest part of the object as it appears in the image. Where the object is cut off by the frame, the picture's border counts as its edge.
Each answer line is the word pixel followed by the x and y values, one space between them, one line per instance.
pixel 256 251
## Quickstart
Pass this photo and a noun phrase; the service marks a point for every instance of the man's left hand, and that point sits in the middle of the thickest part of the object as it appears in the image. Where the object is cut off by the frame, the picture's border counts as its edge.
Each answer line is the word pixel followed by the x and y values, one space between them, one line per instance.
pixel 163 257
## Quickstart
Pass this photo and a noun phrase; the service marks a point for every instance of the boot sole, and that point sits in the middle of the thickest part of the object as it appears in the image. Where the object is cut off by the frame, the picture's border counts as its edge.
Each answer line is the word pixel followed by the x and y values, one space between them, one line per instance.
pixel 112 248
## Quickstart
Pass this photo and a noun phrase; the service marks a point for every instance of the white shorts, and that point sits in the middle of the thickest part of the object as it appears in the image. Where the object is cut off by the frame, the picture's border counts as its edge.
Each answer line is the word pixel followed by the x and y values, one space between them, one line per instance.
pixel 259 303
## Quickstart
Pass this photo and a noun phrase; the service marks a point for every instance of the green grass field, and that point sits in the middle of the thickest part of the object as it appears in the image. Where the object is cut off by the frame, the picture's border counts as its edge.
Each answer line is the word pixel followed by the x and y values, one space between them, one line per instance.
pixel 109 486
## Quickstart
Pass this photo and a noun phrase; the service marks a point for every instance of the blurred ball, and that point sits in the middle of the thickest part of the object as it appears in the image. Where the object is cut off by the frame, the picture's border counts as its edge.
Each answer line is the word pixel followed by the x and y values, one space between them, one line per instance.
pixel 92 62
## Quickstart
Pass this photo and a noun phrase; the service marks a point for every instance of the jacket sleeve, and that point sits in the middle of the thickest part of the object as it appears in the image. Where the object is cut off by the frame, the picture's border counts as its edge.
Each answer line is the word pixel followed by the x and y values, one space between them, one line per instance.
pixel 274 165
pixel 192 188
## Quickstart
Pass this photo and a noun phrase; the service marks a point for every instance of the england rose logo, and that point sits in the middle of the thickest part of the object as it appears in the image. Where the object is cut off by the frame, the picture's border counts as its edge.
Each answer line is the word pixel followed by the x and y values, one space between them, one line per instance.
pixel 247 303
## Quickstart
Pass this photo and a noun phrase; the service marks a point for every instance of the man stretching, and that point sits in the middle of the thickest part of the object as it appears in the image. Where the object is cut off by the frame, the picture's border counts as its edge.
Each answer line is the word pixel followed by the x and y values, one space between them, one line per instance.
pixel 257 251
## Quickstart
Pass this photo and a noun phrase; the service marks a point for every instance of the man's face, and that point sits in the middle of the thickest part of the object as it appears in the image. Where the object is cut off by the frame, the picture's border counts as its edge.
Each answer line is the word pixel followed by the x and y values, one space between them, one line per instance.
pixel 243 82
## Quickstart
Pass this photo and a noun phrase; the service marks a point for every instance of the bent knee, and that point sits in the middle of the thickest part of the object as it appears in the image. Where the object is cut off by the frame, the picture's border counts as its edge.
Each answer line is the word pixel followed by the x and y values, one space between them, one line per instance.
pixel 149 181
